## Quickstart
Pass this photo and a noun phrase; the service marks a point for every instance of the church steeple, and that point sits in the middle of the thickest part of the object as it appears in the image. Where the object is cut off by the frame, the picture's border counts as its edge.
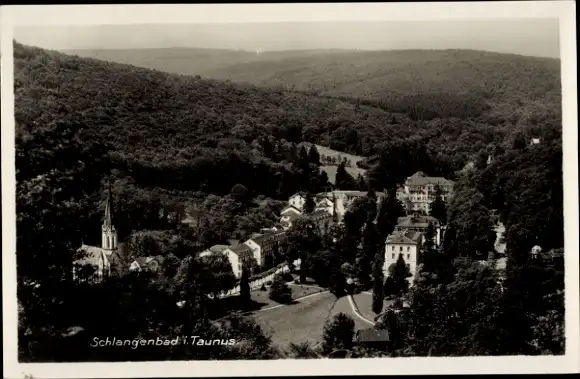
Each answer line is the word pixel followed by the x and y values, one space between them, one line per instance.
pixel 109 233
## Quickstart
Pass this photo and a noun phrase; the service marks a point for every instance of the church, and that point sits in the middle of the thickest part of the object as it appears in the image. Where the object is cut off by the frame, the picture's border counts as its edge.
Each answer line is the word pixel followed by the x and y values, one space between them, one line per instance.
pixel 94 263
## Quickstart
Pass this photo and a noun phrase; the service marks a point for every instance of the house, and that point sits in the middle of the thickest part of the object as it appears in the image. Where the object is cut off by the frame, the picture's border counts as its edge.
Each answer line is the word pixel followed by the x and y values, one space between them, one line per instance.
pixel 372 336
pixel 215 249
pixel 265 247
pixel 146 264
pixel 93 263
pixel 297 201
pixel 419 223
pixel 239 255
pixel 419 191
pixel 287 220
pixel 407 245
pixel 322 218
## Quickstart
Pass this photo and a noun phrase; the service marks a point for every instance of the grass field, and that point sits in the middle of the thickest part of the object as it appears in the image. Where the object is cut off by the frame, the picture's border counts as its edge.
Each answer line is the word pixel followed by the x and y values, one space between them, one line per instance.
pixel 331 172
pixel 304 320
pixel 298 291
pixel 364 303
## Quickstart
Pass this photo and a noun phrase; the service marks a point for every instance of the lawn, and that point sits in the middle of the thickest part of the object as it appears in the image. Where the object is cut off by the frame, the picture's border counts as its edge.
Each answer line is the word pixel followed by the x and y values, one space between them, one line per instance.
pixel 298 290
pixel 331 172
pixel 364 303
pixel 304 320
pixel 325 151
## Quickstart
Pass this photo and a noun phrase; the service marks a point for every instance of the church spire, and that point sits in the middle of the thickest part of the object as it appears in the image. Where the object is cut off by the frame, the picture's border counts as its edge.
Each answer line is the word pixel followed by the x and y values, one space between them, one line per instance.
pixel 109 233
pixel 108 221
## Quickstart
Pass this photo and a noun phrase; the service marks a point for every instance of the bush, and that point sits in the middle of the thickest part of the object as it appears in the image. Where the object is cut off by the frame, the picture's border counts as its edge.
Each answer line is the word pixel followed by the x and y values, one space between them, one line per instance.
pixel 279 291
pixel 287 277
pixel 296 281
pixel 269 283
pixel 263 287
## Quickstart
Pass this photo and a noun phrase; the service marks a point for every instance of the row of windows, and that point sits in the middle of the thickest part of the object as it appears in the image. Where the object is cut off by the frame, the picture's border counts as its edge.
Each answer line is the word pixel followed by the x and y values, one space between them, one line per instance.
pixel 408 256
pixel 401 248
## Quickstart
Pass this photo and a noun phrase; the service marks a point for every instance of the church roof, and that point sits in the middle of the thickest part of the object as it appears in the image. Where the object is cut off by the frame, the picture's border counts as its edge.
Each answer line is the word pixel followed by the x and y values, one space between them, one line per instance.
pixel 89 255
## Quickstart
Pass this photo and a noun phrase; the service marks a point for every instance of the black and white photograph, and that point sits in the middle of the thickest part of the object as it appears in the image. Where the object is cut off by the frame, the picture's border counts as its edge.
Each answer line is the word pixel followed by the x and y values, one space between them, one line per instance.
pixel 273 187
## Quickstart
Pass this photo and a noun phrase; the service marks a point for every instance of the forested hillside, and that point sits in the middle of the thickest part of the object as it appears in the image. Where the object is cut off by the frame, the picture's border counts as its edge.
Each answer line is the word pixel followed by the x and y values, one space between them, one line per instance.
pixel 229 155
pixel 426 83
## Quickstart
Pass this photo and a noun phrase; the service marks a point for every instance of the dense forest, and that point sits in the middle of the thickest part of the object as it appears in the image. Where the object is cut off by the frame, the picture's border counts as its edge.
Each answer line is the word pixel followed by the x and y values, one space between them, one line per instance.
pixel 229 155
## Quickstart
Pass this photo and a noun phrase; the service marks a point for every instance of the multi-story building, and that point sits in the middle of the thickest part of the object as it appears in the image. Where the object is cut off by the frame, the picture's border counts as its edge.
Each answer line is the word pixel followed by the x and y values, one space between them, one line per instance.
pixel 419 223
pixel 266 246
pixel 407 245
pixel 419 191
pixel 322 218
pixel 239 255
pixel 297 201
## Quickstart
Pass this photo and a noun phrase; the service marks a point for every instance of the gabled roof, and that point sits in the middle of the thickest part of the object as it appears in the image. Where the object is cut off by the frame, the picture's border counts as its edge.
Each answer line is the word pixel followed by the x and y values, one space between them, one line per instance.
pixel 290 208
pixel 145 261
pixel 91 255
pixel 241 249
pixel 408 238
pixel 218 248
pixel 296 194
pixel 420 179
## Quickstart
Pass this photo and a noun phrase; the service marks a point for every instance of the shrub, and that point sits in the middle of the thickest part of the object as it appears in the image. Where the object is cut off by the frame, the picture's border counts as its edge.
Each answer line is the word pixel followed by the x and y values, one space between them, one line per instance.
pixel 279 291
pixel 269 283
pixel 263 287
pixel 296 281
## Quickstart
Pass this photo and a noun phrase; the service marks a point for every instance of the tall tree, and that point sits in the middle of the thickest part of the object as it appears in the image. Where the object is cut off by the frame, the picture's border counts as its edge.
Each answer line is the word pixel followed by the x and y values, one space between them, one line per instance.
pixel 370 250
pixel 338 333
pixel 344 181
pixel 309 203
pixel 438 209
pixel 378 283
pixel 399 271
pixel 313 155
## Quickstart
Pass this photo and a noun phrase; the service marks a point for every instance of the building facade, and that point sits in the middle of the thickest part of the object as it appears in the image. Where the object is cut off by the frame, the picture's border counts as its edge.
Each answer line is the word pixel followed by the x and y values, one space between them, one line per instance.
pixel 405 244
pixel 265 247
pixel 239 256
pixel 419 223
pixel 419 192
pixel 338 202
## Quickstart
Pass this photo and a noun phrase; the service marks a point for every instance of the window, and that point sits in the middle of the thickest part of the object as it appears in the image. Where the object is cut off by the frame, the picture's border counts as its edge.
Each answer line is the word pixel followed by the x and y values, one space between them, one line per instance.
pixel 408 248
pixel 408 256
pixel 393 256
pixel 400 248
pixel 393 248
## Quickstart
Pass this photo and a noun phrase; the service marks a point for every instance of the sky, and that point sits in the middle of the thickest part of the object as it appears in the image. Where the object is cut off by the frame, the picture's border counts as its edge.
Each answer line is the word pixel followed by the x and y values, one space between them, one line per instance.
pixel 535 37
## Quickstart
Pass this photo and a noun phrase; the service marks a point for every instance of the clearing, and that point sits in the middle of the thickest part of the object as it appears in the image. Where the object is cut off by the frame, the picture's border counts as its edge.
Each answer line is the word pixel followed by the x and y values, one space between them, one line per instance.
pixel 305 319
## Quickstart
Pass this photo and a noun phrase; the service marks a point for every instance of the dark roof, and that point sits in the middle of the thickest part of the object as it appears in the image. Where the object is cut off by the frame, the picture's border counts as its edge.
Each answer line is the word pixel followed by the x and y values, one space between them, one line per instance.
pixel 268 237
pixel 373 335
pixel 241 249
pixel 418 221
pixel 408 238
pixel 420 179
pixel 145 261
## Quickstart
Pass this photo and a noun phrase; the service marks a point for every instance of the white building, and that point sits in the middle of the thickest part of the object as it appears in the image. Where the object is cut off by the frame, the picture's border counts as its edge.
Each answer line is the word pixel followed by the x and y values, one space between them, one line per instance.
pixel 419 191
pixel 297 201
pixel 265 246
pixel 405 244
pixel 238 255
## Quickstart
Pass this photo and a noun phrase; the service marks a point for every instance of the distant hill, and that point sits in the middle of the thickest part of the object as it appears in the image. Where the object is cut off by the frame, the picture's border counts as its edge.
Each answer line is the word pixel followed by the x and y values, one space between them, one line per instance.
pixel 393 78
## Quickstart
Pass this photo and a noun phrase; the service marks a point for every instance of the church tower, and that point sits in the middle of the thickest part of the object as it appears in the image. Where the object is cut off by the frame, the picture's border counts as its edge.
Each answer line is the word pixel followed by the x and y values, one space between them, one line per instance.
pixel 109 233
